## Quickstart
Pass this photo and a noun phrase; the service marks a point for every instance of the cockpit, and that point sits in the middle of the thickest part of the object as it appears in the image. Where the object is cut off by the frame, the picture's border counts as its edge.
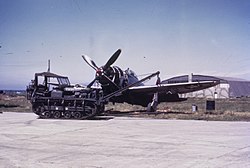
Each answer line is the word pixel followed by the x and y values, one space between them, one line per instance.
pixel 131 77
pixel 130 72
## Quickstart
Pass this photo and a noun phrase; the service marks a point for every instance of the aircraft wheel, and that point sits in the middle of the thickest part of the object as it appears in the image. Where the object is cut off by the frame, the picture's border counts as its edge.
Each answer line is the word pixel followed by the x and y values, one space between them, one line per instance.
pixel 57 114
pixel 151 108
pixel 67 114
pixel 77 115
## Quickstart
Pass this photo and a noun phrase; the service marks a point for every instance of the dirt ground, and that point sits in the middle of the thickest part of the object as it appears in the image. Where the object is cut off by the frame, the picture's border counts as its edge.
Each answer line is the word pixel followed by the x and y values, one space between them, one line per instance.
pixel 225 110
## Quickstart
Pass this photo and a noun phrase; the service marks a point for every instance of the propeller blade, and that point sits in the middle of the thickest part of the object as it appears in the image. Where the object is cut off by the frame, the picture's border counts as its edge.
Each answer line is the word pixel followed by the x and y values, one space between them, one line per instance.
pixel 91 83
pixel 112 59
pixel 90 62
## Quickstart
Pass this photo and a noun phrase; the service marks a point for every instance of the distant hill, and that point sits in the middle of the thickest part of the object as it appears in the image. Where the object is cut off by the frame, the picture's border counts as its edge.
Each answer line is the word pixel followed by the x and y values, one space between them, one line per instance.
pixel 13 92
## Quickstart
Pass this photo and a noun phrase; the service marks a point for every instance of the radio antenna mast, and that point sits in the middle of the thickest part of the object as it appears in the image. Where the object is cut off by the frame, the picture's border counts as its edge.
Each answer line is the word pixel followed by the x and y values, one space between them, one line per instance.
pixel 49 65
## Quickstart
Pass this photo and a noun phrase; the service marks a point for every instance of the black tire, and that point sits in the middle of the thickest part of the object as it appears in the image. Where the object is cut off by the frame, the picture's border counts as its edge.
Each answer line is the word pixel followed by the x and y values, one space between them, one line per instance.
pixel 57 114
pixel 46 114
pixel 77 115
pixel 151 108
pixel 67 114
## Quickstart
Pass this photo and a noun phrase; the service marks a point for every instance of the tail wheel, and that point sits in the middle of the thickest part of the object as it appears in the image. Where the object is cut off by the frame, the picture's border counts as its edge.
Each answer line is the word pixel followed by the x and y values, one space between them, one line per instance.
pixel 57 114
pixel 77 115
pixel 67 114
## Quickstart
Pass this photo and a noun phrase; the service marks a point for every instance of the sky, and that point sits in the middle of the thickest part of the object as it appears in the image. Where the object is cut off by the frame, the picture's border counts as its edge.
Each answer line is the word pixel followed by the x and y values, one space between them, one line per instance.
pixel 176 37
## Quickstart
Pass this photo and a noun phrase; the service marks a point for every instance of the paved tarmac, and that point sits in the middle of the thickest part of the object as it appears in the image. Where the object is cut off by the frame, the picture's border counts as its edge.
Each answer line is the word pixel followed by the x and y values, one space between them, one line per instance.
pixel 26 141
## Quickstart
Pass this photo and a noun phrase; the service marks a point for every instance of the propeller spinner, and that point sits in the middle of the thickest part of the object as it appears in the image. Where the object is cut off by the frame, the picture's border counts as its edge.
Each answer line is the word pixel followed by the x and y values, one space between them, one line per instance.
pixel 100 71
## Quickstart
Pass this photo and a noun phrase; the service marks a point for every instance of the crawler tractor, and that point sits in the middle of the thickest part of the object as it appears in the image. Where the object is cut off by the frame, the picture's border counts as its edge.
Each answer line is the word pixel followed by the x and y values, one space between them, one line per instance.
pixel 52 96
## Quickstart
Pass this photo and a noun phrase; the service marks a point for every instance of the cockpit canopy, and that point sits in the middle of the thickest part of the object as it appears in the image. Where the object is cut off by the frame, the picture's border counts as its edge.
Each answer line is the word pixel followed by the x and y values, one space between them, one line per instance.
pixel 130 72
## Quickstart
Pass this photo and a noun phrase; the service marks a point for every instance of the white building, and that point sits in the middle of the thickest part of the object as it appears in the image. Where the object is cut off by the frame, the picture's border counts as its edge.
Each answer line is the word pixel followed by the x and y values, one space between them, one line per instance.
pixel 228 87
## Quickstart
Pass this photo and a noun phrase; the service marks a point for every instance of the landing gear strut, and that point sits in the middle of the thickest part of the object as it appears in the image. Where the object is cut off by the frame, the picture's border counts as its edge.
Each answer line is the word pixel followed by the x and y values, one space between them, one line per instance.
pixel 152 106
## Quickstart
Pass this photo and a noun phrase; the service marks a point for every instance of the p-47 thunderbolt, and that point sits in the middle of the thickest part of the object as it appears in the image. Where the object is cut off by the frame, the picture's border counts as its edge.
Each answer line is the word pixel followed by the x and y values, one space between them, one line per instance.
pixel 124 86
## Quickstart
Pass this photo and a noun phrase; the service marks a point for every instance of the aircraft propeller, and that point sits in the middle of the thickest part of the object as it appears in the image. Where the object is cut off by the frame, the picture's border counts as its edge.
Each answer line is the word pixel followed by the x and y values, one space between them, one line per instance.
pixel 90 62
pixel 100 71
pixel 112 59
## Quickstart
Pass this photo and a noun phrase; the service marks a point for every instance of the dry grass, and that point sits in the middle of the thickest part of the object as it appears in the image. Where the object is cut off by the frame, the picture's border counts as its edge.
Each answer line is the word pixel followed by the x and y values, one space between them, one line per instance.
pixel 14 104
pixel 183 111
pixel 227 110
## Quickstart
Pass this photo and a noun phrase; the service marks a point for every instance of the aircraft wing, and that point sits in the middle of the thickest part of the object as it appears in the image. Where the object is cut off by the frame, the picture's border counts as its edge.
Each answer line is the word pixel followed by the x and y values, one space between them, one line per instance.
pixel 174 88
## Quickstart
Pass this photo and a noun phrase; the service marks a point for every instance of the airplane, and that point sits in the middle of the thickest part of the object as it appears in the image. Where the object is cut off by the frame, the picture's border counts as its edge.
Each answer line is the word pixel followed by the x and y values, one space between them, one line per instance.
pixel 133 91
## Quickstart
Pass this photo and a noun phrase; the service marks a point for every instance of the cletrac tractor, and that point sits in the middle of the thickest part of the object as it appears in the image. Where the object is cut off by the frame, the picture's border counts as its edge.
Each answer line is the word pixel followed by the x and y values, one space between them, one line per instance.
pixel 52 96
